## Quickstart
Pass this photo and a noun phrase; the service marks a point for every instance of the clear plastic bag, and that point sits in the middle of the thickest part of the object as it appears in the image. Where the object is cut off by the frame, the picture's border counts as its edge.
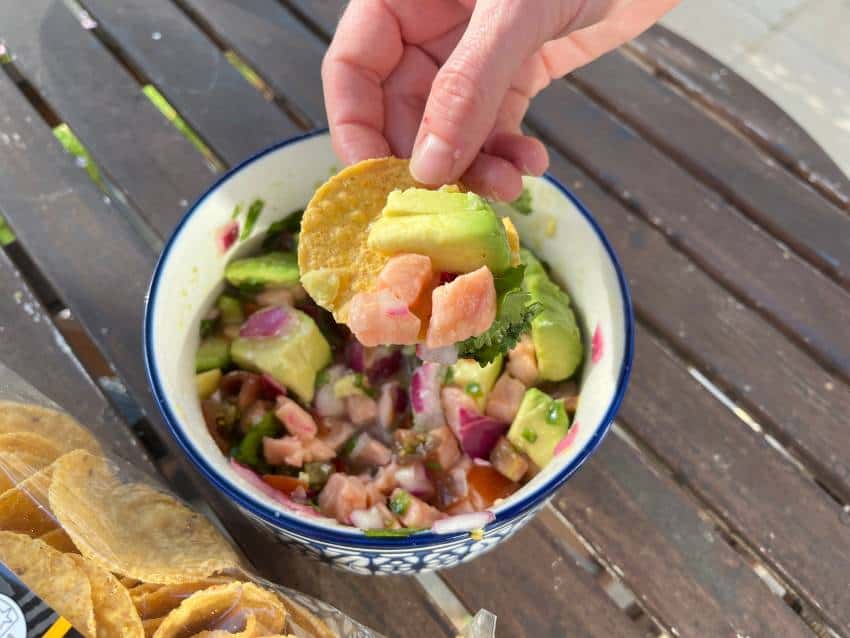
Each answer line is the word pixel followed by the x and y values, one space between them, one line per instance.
pixel 113 552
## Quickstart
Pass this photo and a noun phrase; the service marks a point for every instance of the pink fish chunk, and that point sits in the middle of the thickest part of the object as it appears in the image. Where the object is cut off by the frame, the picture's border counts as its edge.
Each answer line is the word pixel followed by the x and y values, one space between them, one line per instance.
pixel 380 318
pixel 406 277
pixel 462 308
pixel 296 419
pixel 342 495
pixel 505 397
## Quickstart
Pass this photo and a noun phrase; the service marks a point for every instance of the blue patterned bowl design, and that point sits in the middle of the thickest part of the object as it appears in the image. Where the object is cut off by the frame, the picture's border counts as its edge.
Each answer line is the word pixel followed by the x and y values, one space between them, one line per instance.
pixel 189 275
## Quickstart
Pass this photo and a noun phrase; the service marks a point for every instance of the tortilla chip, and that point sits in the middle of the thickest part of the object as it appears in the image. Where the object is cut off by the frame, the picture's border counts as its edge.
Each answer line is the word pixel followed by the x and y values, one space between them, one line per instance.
pixel 151 625
pixel 335 228
pixel 224 607
pixel 57 427
pixel 252 629
pixel 22 454
pixel 133 529
pixel 24 508
pixel 58 539
pixel 53 576
pixel 308 622
pixel 154 601
pixel 114 612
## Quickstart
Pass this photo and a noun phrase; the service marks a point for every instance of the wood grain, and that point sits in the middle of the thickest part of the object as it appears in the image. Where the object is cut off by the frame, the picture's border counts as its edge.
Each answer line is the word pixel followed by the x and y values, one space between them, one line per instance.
pixel 272 40
pixel 788 207
pixel 178 58
pixel 651 534
pixel 738 102
pixel 159 169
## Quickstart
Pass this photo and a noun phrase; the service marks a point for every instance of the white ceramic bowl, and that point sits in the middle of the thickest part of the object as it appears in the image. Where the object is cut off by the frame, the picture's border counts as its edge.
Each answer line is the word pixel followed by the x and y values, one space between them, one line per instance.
pixel 189 276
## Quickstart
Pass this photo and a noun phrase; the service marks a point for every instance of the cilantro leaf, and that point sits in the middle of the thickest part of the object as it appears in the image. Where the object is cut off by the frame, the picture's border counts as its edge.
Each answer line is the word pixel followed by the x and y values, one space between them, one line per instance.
pixel 513 319
pixel 508 280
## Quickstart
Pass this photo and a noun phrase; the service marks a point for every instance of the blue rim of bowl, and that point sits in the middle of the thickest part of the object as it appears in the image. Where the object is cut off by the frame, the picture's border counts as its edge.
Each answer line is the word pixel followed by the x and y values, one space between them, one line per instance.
pixel 300 525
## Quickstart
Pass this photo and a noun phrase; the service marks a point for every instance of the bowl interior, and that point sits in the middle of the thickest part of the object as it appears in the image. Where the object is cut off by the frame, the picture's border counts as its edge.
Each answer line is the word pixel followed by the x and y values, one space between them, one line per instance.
pixel 190 276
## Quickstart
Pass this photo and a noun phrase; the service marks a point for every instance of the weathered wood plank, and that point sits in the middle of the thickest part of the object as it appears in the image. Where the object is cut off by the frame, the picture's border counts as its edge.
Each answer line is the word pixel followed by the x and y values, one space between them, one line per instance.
pixel 726 93
pixel 325 14
pixel 788 207
pixel 790 522
pixel 40 187
pixel 159 170
pixel 274 42
pixel 33 348
pixel 714 234
pixel 231 115
pixel 537 591
pixel 769 375
pixel 654 536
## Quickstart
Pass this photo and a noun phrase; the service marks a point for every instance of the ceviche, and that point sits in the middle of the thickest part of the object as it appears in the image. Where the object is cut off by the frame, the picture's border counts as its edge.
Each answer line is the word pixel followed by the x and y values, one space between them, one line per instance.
pixel 390 358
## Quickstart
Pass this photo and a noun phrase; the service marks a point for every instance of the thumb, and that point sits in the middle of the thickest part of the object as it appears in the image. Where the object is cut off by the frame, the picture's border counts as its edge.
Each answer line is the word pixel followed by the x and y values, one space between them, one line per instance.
pixel 468 90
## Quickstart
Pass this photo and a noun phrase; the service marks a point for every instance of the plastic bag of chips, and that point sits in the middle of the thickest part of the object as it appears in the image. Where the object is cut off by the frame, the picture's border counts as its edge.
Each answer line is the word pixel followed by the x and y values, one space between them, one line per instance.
pixel 90 546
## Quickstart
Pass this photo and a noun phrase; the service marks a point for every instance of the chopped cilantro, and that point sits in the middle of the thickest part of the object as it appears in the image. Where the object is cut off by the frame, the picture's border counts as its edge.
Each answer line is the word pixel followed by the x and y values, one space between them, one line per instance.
pixel 513 319
pixel 509 279
pixel 394 533
pixel 522 204
pixel 207 327
pixel 251 218
pixel 237 210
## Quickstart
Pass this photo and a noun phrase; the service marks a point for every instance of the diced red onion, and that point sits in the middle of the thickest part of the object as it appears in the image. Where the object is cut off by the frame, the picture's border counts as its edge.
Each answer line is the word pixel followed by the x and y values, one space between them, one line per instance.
pixel 255 481
pixel 463 522
pixel 447 355
pixel 268 322
pixel 425 396
pixel 367 519
pixel 447 277
pixel 392 398
pixel 226 235
pixel 478 435
pixel 414 479
pixel 382 363
pixel 355 356
pixel 327 403
pixel 272 388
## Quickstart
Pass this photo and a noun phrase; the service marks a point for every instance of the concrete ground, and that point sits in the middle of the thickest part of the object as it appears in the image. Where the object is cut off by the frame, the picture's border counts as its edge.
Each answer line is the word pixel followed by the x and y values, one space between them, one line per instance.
pixel 795 51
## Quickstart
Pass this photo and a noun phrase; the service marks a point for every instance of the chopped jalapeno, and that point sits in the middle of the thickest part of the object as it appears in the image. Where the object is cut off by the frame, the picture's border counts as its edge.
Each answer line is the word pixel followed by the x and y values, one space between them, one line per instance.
pixel 250 448
pixel 473 389
pixel 553 415
pixel 400 502
pixel 529 435
pixel 318 473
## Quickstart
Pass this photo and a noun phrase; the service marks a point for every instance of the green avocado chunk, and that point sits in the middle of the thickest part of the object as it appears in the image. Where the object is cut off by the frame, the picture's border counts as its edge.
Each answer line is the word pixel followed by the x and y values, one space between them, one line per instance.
pixel 469 376
pixel 539 425
pixel 293 358
pixel 460 232
pixel 554 331
pixel 214 352
pixel 274 269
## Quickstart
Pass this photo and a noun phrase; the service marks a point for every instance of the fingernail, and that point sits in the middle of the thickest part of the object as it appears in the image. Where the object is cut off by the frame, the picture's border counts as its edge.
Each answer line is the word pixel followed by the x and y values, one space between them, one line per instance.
pixel 432 160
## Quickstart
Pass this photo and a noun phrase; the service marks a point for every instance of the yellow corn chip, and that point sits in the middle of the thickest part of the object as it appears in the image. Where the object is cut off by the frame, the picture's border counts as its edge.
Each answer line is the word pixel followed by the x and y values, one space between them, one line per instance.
pixel 333 256
pixel 24 508
pixel 55 426
pixel 154 601
pixel 114 612
pixel 53 576
pixel 58 539
pixel 22 454
pixel 133 529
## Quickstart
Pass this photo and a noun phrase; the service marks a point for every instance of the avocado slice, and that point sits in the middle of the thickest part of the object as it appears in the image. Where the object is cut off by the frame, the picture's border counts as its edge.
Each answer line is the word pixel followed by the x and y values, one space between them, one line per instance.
pixel 274 269
pixel 293 358
pixel 554 331
pixel 539 425
pixel 476 381
pixel 460 232
pixel 207 382
pixel 214 352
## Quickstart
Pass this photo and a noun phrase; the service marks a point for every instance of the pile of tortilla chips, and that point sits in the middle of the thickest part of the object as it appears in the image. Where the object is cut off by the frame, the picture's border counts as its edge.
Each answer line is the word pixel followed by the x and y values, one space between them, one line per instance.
pixel 119 558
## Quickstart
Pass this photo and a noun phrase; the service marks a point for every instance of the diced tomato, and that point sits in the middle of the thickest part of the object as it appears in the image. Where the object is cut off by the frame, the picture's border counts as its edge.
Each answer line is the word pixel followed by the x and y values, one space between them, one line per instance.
pixel 486 485
pixel 285 484
pixel 464 308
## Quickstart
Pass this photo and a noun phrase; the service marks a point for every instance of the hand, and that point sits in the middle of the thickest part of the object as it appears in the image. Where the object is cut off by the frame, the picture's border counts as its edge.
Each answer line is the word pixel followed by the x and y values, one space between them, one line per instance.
pixel 447 82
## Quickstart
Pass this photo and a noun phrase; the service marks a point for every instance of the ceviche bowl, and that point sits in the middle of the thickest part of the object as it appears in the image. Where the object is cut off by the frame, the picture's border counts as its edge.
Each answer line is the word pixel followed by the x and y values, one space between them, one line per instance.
pixel 189 276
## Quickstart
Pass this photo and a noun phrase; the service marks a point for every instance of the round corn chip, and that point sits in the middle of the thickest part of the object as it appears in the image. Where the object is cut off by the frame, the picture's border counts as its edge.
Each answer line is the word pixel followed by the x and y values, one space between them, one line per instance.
pixel 223 607
pixel 154 601
pixel 53 576
pixel 24 508
pixel 252 629
pixel 151 625
pixel 58 427
pixel 114 612
pixel 300 617
pixel 334 259
pixel 22 454
pixel 58 539
pixel 133 529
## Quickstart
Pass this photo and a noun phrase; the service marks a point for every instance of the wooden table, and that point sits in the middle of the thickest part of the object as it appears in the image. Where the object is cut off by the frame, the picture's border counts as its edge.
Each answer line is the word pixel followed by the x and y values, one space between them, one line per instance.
pixel 717 507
